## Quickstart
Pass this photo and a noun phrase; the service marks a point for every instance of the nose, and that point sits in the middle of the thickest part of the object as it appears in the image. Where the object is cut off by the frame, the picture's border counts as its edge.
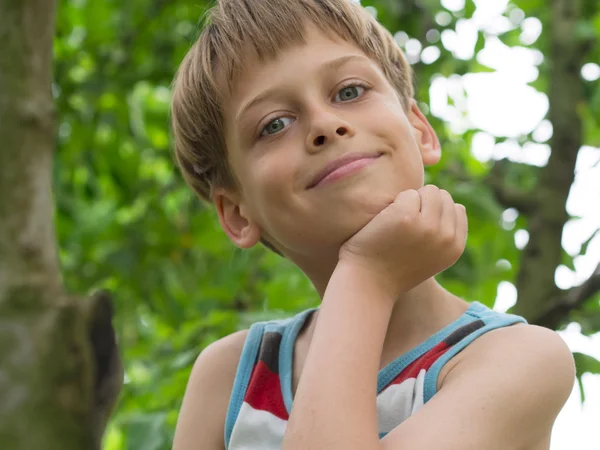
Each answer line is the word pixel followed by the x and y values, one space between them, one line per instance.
pixel 327 128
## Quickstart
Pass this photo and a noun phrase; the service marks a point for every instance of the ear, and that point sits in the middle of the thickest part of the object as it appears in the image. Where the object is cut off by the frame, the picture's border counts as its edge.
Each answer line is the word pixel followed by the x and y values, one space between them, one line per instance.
pixel 426 138
pixel 235 220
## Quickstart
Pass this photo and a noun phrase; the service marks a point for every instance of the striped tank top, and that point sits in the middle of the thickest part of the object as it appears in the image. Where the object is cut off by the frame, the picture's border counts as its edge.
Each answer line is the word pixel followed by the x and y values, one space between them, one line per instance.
pixel 261 399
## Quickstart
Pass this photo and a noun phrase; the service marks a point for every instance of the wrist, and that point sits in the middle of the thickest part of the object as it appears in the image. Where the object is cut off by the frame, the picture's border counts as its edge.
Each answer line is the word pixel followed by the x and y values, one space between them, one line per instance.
pixel 364 279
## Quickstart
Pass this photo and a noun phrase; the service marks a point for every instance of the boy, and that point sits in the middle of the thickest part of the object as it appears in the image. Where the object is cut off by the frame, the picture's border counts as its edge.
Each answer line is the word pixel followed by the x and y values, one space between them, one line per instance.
pixel 297 120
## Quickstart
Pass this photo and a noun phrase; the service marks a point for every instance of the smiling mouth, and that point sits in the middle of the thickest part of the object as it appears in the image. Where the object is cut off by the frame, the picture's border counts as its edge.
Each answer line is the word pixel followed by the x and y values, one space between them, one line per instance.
pixel 343 167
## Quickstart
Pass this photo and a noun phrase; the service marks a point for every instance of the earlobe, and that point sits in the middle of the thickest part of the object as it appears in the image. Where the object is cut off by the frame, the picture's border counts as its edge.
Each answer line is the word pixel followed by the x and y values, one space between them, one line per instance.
pixel 427 139
pixel 237 224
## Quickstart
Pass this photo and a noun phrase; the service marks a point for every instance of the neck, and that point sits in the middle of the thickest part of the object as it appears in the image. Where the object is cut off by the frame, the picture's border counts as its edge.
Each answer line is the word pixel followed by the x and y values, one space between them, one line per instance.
pixel 419 314
pixel 416 315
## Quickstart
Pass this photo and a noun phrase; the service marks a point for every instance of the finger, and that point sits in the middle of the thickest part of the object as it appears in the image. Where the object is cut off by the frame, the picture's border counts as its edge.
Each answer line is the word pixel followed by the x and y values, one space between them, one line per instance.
pixel 448 212
pixel 462 224
pixel 431 203
pixel 408 201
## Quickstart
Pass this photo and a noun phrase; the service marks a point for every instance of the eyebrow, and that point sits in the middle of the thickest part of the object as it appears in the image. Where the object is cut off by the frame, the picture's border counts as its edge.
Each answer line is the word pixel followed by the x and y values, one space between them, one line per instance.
pixel 325 67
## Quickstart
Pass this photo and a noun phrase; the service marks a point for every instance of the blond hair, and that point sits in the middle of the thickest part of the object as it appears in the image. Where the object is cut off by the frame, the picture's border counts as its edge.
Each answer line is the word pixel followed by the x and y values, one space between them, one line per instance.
pixel 265 27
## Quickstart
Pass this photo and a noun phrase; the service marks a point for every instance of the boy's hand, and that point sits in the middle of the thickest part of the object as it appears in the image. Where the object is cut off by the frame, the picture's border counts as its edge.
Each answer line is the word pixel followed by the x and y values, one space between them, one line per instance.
pixel 416 237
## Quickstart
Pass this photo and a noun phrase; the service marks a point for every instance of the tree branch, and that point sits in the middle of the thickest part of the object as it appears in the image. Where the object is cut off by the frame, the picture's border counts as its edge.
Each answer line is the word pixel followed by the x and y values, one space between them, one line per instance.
pixel 572 299
pixel 509 196
pixel 580 294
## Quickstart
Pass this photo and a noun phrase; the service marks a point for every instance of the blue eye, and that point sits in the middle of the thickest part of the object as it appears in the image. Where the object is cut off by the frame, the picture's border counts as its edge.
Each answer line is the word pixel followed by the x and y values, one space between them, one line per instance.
pixel 275 126
pixel 349 93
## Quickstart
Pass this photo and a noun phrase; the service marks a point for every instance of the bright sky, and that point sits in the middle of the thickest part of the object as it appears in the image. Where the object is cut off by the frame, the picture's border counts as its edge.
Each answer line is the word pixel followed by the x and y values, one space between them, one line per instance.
pixel 501 104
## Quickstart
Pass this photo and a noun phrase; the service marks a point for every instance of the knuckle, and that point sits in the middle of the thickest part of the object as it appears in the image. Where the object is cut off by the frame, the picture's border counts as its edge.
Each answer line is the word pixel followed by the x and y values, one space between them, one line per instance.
pixel 430 189
pixel 430 231
pixel 410 196
pixel 444 240
pixel 406 218
pixel 410 192
pixel 446 195
pixel 448 237
pixel 414 195
pixel 458 249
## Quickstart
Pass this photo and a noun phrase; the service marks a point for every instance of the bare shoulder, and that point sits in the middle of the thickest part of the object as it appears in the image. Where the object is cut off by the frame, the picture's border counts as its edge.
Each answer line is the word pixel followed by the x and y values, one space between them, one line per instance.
pixel 525 362
pixel 502 392
pixel 537 349
pixel 201 419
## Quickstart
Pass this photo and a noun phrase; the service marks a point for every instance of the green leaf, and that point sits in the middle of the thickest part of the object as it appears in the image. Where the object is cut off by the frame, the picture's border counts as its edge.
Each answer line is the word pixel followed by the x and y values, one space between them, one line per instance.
pixel 585 245
pixel 480 42
pixel 470 8
pixel 568 261
pixel 585 364
pixel 596 22
pixel 530 6
pixel 145 431
pixel 585 30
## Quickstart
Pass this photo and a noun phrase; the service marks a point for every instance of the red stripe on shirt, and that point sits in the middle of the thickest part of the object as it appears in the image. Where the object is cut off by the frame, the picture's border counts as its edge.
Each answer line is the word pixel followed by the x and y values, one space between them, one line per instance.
pixel 424 362
pixel 264 391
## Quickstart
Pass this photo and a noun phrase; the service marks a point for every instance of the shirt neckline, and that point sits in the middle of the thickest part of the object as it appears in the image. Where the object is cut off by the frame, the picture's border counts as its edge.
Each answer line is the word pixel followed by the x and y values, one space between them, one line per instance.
pixel 386 374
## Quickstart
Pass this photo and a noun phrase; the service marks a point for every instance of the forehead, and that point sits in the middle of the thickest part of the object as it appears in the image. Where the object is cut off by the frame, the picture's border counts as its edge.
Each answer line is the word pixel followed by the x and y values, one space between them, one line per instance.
pixel 291 64
pixel 316 47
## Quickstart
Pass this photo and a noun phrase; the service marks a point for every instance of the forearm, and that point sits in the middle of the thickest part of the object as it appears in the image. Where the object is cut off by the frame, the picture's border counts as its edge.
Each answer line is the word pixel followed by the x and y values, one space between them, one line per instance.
pixel 335 404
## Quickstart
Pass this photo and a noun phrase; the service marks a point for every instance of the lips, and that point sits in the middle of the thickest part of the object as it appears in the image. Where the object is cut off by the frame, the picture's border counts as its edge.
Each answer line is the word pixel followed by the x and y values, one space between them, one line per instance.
pixel 337 163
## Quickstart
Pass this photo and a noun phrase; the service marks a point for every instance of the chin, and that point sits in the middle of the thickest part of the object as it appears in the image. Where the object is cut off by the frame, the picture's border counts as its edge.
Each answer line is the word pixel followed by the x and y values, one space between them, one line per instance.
pixel 356 218
pixel 376 200
pixel 359 205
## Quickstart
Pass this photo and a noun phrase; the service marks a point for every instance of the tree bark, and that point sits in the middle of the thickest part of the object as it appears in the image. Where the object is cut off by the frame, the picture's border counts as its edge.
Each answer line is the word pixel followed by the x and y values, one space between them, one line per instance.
pixel 50 366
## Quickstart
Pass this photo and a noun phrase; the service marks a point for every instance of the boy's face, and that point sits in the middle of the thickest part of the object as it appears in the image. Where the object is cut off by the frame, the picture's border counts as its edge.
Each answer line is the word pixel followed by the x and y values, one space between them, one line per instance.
pixel 287 118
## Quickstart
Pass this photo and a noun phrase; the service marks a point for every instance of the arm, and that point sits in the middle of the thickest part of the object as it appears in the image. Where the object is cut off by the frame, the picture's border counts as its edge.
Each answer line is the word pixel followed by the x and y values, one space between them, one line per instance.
pixel 415 237
pixel 335 407
pixel 503 392
pixel 201 421
pixel 500 398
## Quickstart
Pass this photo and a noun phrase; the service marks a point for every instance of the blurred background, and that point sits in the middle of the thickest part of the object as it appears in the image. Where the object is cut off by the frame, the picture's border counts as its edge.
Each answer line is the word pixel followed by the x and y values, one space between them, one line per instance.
pixel 518 116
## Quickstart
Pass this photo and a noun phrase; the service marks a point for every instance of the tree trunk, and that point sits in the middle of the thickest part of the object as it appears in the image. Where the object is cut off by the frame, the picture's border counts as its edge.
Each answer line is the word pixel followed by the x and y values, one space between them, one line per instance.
pixel 53 348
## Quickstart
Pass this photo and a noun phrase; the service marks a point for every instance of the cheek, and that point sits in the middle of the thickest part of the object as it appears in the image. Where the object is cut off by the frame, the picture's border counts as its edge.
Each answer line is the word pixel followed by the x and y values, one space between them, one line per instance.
pixel 270 181
pixel 388 119
pixel 282 211
pixel 389 123
pixel 272 174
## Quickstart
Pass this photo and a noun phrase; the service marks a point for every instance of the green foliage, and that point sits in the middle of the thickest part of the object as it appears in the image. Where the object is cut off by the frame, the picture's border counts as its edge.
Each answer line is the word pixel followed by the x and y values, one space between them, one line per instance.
pixel 126 221
pixel 585 364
